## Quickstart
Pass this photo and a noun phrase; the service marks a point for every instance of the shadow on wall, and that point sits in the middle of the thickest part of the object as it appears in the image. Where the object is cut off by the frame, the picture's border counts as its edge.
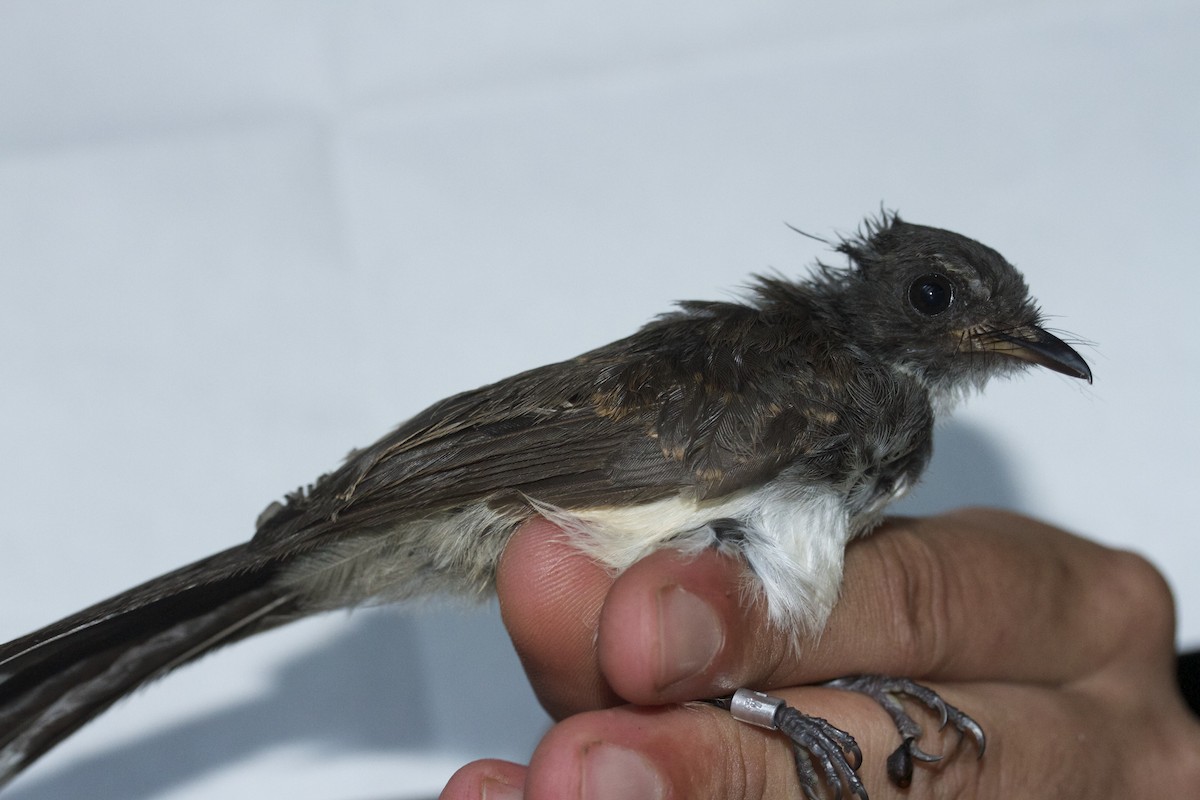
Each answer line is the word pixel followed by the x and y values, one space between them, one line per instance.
pixel 968 469
pixel 369 689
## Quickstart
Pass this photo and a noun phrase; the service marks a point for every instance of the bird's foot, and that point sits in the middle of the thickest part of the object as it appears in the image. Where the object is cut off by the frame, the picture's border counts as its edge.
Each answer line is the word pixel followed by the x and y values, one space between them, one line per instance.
pixel 890 693
pixel 822 750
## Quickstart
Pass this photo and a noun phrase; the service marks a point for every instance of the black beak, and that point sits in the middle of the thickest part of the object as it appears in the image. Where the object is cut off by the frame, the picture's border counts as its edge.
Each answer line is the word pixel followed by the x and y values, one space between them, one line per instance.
pixel 1036 346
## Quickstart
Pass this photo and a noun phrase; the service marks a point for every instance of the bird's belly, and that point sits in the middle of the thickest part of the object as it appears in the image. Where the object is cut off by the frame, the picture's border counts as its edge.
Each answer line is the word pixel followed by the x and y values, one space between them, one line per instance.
pixel 452 552
pixel 792 537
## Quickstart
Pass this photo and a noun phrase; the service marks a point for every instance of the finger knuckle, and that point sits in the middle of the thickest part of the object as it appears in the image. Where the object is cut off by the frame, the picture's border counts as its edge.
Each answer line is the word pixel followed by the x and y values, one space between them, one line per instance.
pixel 1164 760
pixel 1135 592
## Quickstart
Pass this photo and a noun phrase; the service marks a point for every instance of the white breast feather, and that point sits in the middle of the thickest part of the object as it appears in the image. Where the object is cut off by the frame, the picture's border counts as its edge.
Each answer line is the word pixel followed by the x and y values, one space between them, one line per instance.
pixel 794 542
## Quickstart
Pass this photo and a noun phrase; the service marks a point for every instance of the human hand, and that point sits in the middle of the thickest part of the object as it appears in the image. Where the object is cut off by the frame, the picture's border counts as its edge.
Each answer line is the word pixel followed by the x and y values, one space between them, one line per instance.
pixel 1063 650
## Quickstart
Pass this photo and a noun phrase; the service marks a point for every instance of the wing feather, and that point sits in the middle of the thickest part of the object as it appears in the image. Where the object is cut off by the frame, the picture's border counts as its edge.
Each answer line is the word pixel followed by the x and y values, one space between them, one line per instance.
pixel 673 408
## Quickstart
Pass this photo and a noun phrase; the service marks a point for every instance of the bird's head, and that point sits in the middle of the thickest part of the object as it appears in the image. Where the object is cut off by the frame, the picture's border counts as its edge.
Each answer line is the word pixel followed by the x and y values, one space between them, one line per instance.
pixel 944 308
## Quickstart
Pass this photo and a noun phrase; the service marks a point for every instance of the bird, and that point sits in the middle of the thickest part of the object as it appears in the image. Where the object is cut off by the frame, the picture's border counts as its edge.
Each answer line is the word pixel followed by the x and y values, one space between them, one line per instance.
pixel 776 427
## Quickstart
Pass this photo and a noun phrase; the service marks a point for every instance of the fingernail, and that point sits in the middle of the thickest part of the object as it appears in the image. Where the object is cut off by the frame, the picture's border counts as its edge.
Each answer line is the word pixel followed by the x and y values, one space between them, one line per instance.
pixel 496 789
pixel 614 773
pixel 689 635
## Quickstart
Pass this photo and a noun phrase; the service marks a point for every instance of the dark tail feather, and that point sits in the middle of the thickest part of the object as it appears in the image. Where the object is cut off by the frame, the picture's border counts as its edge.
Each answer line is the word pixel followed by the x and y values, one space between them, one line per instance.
pixel 56 679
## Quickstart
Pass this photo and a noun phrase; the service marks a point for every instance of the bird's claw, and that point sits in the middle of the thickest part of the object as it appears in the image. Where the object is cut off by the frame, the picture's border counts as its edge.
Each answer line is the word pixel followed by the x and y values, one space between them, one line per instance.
pixel 826 754
pixel 889 694
pixel 816 743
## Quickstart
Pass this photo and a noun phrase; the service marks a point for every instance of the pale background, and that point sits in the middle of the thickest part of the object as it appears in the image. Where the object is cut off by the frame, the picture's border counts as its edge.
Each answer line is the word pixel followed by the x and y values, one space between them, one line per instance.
pixel 238 238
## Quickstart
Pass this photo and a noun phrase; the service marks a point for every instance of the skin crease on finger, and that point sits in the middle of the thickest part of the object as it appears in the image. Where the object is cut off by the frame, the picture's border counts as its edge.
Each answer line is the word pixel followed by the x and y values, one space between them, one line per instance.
pixel 1097 719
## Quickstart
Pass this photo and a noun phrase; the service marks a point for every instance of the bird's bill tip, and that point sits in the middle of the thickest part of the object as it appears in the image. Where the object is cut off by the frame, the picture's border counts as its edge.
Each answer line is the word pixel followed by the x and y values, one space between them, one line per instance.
pixel 1038 346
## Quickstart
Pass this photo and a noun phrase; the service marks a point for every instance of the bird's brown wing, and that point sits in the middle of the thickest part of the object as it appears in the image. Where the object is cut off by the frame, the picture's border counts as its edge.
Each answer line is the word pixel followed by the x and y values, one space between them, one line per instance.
pixel 665 410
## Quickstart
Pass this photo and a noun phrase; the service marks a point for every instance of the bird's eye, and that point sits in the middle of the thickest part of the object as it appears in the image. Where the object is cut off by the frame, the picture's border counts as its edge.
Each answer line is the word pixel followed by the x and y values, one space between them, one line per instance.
pixel 931 294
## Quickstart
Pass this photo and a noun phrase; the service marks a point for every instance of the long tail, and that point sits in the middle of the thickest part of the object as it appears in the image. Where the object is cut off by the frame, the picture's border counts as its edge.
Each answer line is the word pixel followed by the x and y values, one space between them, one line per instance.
pixel 58 678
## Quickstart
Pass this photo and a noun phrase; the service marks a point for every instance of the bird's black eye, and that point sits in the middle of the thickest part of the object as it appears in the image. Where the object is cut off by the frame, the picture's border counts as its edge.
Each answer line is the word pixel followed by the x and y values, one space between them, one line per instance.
pixel 931 294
